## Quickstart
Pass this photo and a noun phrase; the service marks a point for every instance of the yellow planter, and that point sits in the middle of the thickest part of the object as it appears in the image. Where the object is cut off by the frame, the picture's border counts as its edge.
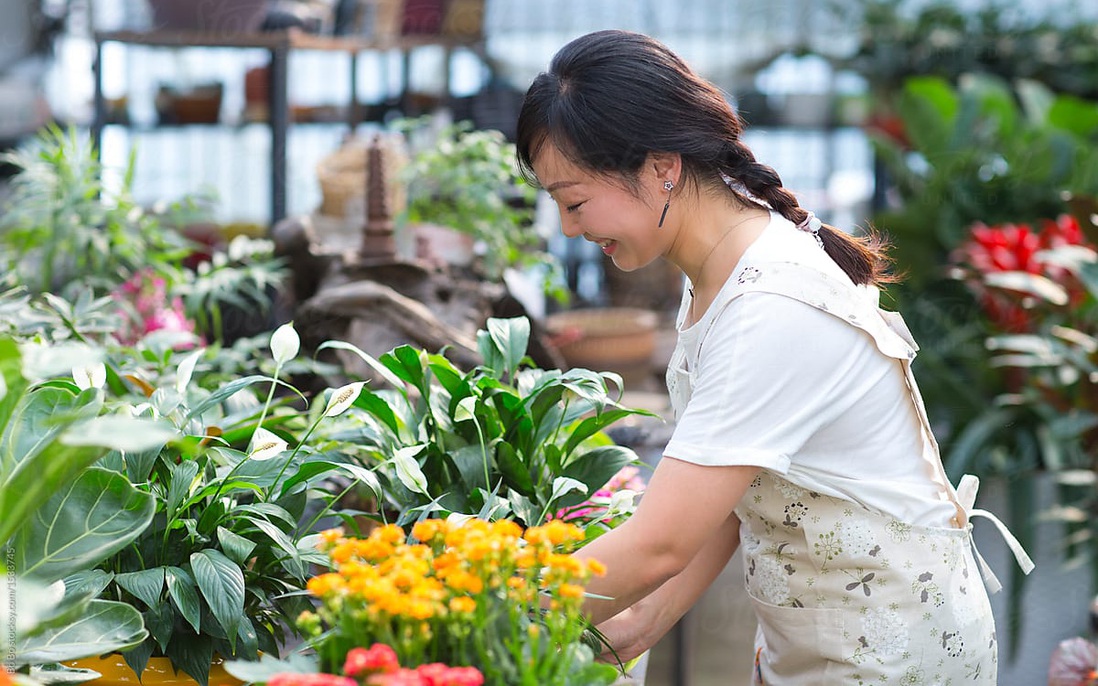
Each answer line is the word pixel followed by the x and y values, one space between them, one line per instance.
pixel 158 672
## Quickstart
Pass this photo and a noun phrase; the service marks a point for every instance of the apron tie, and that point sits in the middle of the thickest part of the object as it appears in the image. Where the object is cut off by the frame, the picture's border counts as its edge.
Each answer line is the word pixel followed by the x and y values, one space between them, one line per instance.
pixel 966 497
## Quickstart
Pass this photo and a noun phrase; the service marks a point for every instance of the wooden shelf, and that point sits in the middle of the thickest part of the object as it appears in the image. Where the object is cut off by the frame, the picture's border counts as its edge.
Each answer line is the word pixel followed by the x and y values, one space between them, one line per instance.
pixel 292 39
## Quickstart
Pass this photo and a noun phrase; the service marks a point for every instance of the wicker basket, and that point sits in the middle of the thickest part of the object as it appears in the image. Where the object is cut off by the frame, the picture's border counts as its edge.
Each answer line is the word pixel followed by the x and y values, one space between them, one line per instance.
pixel 342 178
pixel 617 339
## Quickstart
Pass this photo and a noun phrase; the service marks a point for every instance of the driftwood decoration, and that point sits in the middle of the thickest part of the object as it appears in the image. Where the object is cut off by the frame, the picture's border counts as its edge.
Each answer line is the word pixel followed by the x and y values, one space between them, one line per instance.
pixel 373 298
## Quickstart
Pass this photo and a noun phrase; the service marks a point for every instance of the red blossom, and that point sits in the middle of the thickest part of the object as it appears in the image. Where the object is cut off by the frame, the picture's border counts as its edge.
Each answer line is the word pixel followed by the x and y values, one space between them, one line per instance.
pixel 379 658
pixel 438 674
pixel 1015 247
pixel 401 677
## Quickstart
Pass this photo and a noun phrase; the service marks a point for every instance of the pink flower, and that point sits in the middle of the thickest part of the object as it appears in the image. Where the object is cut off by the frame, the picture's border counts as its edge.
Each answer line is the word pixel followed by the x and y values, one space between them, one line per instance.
pixel 310 680
pixel 1074 663
pixel 453 676
pixel 401 677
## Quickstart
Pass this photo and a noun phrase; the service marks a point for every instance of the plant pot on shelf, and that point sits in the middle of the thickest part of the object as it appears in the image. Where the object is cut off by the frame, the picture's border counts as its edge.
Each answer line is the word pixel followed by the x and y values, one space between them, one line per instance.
pixel 158 672
pixel 226 16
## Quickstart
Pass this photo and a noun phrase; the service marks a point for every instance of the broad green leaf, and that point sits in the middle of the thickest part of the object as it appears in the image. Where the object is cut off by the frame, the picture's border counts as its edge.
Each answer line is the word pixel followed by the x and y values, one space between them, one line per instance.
pixel 374 405
pixel 592 425
pixel 292 563
pixel 510 338
pixel 98 515
pixel 106 626
pixel 236 547
pixel 515 473
pixel 267 666
pixel 120 433
pixel 382 370
pixel 193 655
pixel 184 477
pixel 223 393
pixel 160 623
pixel 146 585
pixel 222 585
pixel 594 468
pixel 469 461
pixel 182 591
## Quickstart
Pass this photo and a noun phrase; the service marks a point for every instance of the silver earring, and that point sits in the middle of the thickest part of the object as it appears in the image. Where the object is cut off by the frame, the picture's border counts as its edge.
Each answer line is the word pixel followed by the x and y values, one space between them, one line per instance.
pixel 668 186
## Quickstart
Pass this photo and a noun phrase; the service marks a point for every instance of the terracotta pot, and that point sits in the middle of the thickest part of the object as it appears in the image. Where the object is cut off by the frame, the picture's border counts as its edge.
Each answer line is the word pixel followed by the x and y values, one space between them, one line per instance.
pixel 158 672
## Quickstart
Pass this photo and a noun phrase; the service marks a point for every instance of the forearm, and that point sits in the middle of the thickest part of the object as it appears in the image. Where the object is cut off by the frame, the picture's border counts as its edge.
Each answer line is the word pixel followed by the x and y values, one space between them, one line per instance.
pixel 638 628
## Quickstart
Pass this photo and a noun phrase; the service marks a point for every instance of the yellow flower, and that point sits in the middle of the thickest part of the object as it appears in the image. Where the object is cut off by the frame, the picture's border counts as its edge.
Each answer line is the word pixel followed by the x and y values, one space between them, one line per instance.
pixel 429 528
pixel 570 591
pixel 463 605
pixel 326 584
pixel 329 537
pixel 595 567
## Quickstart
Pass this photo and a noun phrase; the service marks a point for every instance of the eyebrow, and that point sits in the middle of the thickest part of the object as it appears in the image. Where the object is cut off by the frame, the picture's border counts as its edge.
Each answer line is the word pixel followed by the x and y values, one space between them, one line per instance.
pixel 560 184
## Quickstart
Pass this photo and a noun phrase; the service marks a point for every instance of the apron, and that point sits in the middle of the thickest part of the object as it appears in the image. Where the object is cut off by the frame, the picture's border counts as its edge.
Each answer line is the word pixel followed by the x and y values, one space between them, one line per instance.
pixel 849 595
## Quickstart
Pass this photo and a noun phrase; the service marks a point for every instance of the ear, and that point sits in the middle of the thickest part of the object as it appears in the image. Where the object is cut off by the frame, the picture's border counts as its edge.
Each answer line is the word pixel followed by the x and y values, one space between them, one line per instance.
pixel 665 166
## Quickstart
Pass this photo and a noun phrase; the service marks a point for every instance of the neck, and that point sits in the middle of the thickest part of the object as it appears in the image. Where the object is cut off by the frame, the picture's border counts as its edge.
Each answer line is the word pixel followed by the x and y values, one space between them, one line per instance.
pixel 717 248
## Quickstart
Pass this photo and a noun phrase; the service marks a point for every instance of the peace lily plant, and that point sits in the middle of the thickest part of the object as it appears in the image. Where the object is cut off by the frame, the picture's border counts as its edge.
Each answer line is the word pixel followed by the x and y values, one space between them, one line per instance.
pixel 185 511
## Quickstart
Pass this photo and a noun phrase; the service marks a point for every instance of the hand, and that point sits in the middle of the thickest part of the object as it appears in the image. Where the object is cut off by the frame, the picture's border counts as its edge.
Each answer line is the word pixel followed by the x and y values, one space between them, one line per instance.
pixel 628 633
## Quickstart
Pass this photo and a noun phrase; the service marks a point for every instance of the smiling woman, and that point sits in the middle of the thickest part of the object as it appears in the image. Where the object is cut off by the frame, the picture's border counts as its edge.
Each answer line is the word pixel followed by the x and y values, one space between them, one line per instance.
pixel 800 434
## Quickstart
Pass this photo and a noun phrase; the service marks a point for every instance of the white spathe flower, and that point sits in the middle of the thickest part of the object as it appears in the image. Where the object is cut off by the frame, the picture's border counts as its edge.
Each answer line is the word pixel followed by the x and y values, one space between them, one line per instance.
pixel 563 484
pixel 186 370
pixel 92 376
pixel 459 519
pixel 265 445
pixel 342 398
pixel 621 503
pixel 408 471
pixel 285 344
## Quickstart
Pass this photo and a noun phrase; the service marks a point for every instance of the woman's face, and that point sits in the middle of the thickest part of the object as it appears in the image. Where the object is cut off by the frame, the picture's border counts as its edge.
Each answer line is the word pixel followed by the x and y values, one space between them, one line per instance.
pixel 603 212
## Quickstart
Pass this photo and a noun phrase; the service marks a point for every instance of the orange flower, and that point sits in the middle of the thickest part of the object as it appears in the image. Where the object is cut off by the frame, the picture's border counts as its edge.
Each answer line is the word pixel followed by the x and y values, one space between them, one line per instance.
pixel 463 605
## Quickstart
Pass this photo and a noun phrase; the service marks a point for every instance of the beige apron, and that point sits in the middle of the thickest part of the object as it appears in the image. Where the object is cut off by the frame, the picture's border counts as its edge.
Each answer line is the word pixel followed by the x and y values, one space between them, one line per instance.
pixel 849 595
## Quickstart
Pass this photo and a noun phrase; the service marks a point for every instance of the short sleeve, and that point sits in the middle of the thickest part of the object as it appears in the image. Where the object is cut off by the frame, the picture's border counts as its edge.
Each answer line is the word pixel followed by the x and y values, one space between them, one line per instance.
pixel 769 375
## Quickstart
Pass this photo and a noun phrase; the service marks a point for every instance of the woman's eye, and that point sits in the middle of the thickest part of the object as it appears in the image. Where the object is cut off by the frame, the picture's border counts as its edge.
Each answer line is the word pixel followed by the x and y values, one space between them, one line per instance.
pixel 573 208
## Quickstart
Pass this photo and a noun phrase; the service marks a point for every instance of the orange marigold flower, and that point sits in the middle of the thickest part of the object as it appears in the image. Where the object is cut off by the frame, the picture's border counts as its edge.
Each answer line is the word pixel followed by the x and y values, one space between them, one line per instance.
pixel 330 537
pixel 326 584
pixel 463 605
pixel 428 529
pixel 390 533
pixel 595 567
pixel 570 591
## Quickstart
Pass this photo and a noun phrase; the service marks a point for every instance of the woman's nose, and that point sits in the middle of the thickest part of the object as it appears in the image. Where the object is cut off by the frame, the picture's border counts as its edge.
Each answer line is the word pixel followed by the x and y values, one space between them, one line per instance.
pixel 569 226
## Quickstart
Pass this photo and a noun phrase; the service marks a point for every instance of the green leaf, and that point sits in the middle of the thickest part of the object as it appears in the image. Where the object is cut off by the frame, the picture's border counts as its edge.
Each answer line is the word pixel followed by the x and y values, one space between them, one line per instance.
pixel 267 666
pixel 236 547
pixel 182 591
pixel 373 404
pixel 146 585
pixel 515 473
pixel 376 365
pixel 594 468
pixel 592 425
pixel 11 376
pixel 120 433
pixel 292 563
pixel 160 622
pixel 105 626
pixel 183 477
pixel 222 585
pixel 223 393
pixel 510 338
pixel 406 363
pixel 98 515
pixel 193 655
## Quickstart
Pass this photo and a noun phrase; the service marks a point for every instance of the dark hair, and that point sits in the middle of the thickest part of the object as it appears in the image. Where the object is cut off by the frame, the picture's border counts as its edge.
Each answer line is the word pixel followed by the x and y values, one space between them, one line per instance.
pixel 612 97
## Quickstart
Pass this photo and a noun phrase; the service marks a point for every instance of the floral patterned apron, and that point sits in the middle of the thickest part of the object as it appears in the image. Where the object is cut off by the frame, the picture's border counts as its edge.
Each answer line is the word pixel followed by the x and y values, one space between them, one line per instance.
pixel 845 594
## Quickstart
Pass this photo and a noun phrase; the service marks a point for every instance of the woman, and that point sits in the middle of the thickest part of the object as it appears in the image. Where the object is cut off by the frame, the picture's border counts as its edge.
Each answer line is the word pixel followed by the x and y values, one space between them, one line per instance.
pixel 800 434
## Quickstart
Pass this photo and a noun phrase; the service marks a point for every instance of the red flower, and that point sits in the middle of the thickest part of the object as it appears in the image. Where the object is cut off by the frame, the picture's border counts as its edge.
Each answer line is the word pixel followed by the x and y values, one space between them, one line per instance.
pixel 379 658
pixel 1014 247
pixel 401 677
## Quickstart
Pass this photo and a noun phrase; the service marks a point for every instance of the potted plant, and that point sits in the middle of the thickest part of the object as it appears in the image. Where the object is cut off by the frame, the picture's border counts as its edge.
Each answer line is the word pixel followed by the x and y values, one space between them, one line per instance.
pixel 467 181
pixel 502 441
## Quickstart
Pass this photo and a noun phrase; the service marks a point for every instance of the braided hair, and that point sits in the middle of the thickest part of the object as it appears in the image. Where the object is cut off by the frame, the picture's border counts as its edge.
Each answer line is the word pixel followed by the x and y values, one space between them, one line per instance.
pixel 611 98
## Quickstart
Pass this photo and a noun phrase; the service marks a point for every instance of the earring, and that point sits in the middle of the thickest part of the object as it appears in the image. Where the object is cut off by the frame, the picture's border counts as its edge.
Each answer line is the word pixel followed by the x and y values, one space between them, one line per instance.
pixel 668 186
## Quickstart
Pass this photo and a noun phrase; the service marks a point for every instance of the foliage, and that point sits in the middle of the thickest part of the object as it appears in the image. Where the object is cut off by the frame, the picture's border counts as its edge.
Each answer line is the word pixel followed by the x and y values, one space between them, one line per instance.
pixel 64 231
pixel 466 593
pixel 46 447
pixel 899 39
pixel 231 484
pixel 468 180
pixel 63 225
pixel 1042 309
pixel 500 441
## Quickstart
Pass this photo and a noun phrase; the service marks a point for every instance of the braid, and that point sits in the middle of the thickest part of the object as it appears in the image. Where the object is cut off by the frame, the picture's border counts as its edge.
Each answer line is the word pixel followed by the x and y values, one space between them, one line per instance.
pixel 862 258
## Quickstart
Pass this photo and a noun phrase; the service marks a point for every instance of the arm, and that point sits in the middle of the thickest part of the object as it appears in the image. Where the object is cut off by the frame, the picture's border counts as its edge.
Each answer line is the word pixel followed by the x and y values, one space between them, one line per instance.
pixel 638 628
pixel 684 507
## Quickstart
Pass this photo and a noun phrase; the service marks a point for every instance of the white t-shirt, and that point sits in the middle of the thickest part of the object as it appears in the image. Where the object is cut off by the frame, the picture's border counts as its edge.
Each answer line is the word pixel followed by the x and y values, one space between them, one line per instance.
pixel 783 385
